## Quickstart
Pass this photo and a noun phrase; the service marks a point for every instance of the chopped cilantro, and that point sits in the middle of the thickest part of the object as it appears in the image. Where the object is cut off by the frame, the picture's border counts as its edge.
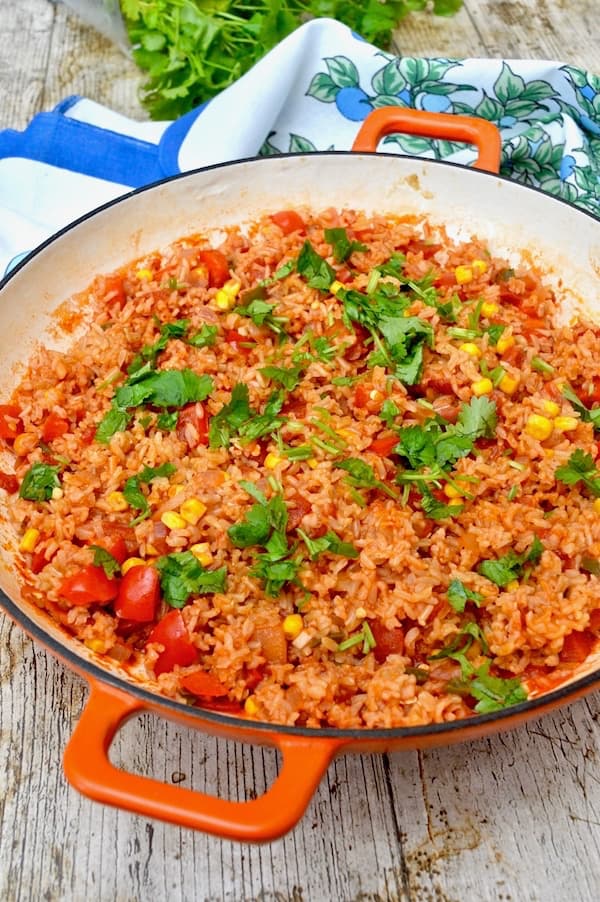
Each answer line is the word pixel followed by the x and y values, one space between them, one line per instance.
pixel 273 567
pixel 165 388
pixel 588 415
pixel 329 542
pixel 132 490
pixel 288 378
pixel 314 268
pixel 182 575
pixel 260 521
pixel 495 332
pixel 437 510
pixel 511 566
pixel 362 476
pixel 266 422
pixel 494 693
pixel 167 420
pixel 284 270
pixel 205 338
pixel 149 353
pixel 225 423
pixel 459 595
pixel 580 468
pixel 104 559
pixel 341 245
pixel 389 411
pixel 114 420
pixel 39 482
pixel 261 314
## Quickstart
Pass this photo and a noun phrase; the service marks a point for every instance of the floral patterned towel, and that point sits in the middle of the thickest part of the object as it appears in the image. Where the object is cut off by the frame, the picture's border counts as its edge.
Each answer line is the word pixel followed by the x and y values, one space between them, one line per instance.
pixel 309 93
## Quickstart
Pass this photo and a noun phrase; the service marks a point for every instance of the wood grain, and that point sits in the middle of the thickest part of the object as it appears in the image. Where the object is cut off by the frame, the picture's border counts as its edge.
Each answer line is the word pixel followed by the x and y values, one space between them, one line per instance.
pixel 515 817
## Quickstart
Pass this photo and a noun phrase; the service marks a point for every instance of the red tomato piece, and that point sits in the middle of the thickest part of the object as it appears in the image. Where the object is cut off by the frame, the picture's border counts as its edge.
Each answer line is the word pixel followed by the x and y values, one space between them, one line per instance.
pixel 289 221
pixel 192 425
pixel 114 285
pixel 216 267
pixel 9 482
pixel 139 594
pixel 297 510
pixel 222 705
pixel 533 324
pixel 238 341
pixel 172 634
pixel 389 641
pixel 577 647
pixel 383 446
pixel 53 427
pixel 203 684
pixel 89 585
pixel 10 421
pixel 39 561
pixel 361 395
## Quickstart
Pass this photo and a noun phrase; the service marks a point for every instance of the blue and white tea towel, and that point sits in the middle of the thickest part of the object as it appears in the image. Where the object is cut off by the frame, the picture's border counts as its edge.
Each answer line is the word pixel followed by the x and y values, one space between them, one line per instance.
pixel 309 93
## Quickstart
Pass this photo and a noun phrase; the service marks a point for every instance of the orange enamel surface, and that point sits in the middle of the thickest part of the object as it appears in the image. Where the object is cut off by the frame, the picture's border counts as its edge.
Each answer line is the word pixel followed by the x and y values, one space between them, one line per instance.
pixel 483 134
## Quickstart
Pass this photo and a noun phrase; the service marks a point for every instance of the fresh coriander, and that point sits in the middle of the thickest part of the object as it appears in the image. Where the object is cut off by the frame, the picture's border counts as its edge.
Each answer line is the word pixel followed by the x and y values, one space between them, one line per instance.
pixel 459 595
pixel 329 542
pixel 580 468
pixel 183 576
pixel 205 338
pixel 104 559
pixel 39 482
pixel 341 245
pixel 511 566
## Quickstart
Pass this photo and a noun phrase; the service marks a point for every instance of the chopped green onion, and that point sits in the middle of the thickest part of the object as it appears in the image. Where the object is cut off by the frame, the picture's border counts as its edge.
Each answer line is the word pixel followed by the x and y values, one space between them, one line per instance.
pixel 540 366
pixel 465 334
pixel 513 492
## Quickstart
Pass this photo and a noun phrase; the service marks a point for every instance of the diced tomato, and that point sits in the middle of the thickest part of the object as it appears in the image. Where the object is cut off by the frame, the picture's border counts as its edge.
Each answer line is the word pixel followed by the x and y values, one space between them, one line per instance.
pixel 238 341
pixel 10 421
pixel 361 394
pixel 9 482
pixel 39 561
pixel 216 267
pixel 297 510
pixel 427 248
pixel 222 705
pixel 344 275
pixel 445 279
pixel 158 539
pixel 54 426
pixel 289 221
pixel 192 425
pixel 577 646
pixel 118 539
pixel 172 634
pixel 589 393
pixel 139 594
pixel 383 445
pixel 533 324
pixel 89 585
pixel 117 547
pixel 203 684
pixel 114 285
pixel 88 435
pixel 389 641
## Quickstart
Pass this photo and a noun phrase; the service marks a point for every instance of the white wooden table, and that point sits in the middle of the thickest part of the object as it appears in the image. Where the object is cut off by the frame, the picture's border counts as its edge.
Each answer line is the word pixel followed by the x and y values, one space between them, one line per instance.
pixel 516 817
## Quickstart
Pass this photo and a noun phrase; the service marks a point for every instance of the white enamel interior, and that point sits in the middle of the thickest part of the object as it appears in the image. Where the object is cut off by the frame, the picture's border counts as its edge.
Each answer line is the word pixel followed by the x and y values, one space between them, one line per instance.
pixel 560 239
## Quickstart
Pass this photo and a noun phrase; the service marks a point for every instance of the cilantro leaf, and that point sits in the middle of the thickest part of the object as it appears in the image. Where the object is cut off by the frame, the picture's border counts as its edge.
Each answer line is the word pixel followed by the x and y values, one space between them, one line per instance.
pixel 149 353
pixel 495 693
pixel 266 422
pixel 231 416
pixel 104 559
pixel 389 411
pixel 362 476
pixel 437 510
pixel 166 388
pixel 588 415
pixel 261 314
pixel 114 420
pixel 132 490
pixel 478 418
pixel 459 595
pixel 341 245
pixel 314 268
pixel 274 571
pixel 393 267
pixel 167 420
pixel 260 521
pixel 205 338
pixel 329 542
pixel 182 575
pixel 288 378
pixel 504 570
pixel 39 482
pixel 580 468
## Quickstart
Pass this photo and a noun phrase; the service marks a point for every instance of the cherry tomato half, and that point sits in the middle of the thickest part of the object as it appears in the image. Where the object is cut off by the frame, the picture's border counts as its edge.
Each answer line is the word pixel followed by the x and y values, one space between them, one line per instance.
pixel 139 594
pixel 89 585
pixel 289 221
pixel 54 426
pixel 577 647
pixel 172 634
pixel 203 684
pixel 9 482
pixel 192 425
pixel 10 422
pixel 216 267
pixel 389 641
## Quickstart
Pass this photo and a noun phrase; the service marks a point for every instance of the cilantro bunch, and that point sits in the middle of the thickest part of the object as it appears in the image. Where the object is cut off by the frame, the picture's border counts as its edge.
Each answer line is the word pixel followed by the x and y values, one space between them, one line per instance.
pixel 192 49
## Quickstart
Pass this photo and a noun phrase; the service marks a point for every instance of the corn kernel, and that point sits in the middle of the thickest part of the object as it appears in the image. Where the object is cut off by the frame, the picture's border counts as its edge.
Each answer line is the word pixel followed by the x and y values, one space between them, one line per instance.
pixel 566 424
pixel 57 493
pixel 192 510
pixel 504 343
pixel 117 501
pixel 272 461
pixel 509 384
pixel 335 287
pixel 312 462
pixel 512 585
pixel 469 347
pixel 292 625
pixel 202 553
pixel 144 275
pixel 96 645
pixel 538 427
pixel 232 288
pixel 250 707
pixel 597 505
pixel 30 539
pixel 479 266
pixel 132 562
pixel 451 492
pixel 223 300
pixel 488 308
pixel 463 274
pixel 173 520
pixel 482 387
pixel 551 408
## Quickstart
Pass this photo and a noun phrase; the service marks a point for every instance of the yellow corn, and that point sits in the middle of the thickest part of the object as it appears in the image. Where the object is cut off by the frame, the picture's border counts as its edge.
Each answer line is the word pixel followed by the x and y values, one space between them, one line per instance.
pixel 292 625
pixel 312 462
pixel 451 492
pixel 30 539
pixel 96 645
pixel 512 585
pixel 173 520
pixel 509 384
pixel 232 287
pixel 469 347
pixel 200 271
pixel 504 343
pixel 117 501
pixel 346 434
pixel 538 427
pixel 144 275
pixel 479 266
pixel 597 505
pixel 551 408
pixel 482 387
pixel 57 493
pixel 132 562
pixel 202 553
pixel 223 300
pixel 250 707
pixel 488 308
pixel 192 510
pixel 335 287
pixel 272 460
pixel 566 424
pixel 463 274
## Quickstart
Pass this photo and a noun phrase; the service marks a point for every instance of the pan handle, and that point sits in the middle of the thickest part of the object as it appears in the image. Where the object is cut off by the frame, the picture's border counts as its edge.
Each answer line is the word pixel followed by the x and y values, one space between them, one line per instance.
pixel 89 769
pixel 483 134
